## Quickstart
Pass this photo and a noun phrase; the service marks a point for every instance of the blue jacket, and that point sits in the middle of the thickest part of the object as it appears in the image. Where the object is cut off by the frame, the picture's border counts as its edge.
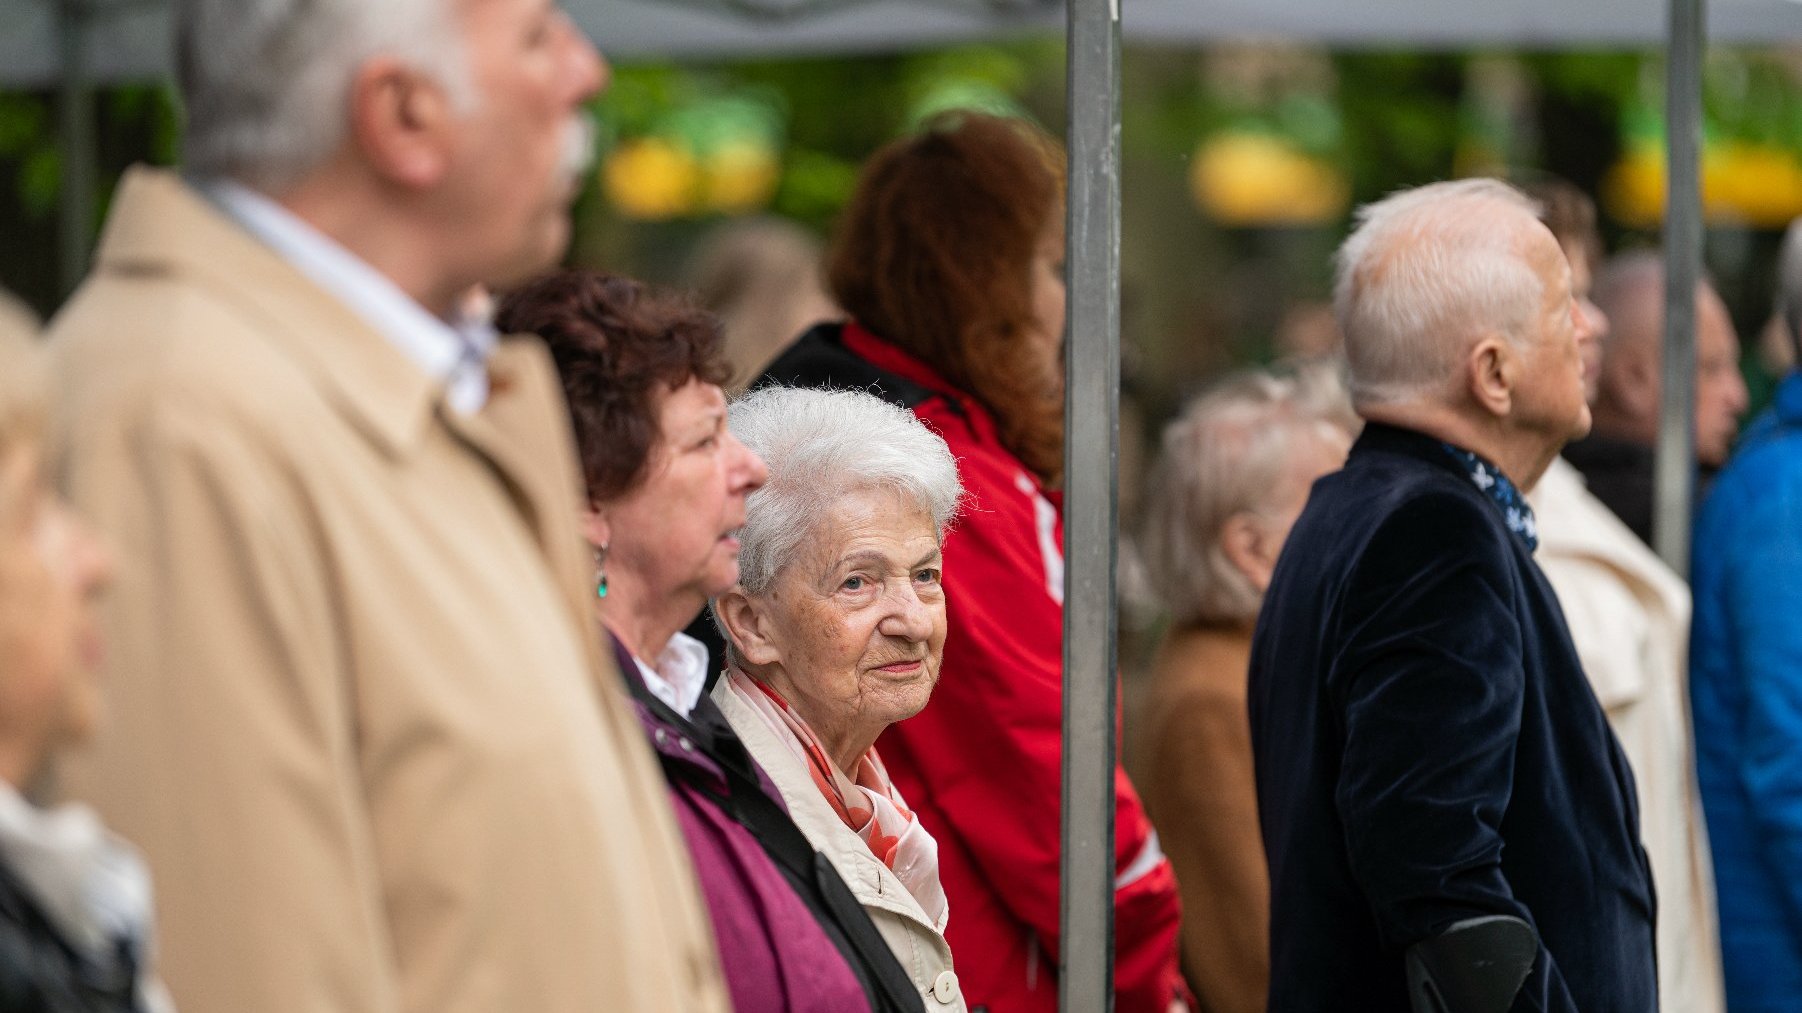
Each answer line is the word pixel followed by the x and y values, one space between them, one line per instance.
pixel 1428 749
pixel 1746 697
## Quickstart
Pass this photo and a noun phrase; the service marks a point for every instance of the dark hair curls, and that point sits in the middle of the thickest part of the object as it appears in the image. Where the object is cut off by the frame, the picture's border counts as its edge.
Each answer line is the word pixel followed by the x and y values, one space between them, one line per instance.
pixel 620 348
pixel 935 251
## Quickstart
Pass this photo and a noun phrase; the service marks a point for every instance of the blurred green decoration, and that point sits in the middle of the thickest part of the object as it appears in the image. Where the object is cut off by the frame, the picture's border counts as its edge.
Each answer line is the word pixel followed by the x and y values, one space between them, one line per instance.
pixel 696 143
pixel 1275 157
pixel 980 79
pixel 1751 148
pixel 683 145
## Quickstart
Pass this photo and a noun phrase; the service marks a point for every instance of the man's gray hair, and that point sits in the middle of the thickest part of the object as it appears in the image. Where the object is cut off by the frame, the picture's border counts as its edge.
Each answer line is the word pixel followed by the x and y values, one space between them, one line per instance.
pixel 266 83
pixel 1789 287
pixel 1425 272
pixel 1228 453
pixel 821 445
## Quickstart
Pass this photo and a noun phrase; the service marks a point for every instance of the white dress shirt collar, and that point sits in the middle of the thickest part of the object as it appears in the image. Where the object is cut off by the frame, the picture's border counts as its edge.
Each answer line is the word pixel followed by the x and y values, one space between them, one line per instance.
pixel 679 675
pixel 454 353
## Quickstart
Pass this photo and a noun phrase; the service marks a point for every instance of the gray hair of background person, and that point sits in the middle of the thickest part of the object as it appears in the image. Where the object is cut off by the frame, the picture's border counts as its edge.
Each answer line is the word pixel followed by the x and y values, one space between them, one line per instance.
pixel 265 83
pixel 1228 453
pixel 1425 272
pixel 1789 287
pixel 820 445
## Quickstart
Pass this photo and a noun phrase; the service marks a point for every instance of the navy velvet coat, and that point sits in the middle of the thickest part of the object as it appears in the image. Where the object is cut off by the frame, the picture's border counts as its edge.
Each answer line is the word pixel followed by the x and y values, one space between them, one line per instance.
pixel 1428 750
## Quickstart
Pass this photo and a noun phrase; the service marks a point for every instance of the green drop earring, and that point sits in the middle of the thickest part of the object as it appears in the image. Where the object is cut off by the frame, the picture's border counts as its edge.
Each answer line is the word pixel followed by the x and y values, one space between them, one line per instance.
pixel 600 572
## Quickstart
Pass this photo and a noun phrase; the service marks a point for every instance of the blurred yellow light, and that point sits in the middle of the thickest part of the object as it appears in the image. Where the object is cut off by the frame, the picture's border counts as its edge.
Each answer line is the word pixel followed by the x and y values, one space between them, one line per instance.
pixel 651 179
pixel 741 178
pixel 1254 179
pixel 1750 184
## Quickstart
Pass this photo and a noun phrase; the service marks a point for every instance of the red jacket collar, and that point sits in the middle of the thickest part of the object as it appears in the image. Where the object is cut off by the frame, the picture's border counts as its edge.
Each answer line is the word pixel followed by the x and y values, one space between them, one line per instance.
pixel 888 356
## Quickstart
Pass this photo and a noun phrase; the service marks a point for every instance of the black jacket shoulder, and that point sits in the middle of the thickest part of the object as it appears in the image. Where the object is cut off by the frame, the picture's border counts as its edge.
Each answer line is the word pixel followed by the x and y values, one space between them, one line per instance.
pixel 819 359
pixel 41 973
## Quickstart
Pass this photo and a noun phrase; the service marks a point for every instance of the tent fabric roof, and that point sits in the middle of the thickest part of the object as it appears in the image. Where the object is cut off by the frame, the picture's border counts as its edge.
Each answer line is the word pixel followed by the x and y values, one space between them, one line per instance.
pixel 129 38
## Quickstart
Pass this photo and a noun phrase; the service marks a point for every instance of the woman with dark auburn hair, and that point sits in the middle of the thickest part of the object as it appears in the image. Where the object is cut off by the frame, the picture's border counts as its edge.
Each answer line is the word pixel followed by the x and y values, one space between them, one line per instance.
pixel 667 484
pixel 949 261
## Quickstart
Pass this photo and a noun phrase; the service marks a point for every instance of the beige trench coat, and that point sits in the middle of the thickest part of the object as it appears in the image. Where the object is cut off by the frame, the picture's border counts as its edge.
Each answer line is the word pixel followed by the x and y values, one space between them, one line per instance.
pixel 1629 617
pixel 917 942
pixel 359 719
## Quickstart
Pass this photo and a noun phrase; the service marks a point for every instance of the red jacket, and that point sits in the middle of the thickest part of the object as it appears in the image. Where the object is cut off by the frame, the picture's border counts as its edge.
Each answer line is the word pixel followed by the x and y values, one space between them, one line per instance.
pixel 982 764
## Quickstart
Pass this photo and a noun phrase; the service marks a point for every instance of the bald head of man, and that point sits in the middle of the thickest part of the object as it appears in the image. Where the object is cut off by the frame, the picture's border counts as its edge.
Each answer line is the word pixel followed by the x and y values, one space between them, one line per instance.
pixel 1627 403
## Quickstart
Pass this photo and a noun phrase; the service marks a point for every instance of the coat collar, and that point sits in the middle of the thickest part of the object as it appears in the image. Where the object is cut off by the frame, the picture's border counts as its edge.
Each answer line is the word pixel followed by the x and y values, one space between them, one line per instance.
pixel 872 882
pixel 1582 527
pixel 161 226
pixel 1477 470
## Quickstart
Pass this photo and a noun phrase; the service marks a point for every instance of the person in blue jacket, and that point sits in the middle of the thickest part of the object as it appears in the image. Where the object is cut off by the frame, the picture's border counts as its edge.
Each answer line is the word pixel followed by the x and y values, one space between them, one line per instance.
pixel 1746 687
pixel 1449 823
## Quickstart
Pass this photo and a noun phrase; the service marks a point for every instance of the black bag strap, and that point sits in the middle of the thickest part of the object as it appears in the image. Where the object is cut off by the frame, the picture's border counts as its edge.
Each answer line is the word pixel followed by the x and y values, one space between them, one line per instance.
pixel 816 881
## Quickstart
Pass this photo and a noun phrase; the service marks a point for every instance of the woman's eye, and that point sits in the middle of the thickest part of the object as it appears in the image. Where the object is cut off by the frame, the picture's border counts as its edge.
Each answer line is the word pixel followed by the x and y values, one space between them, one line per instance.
pixel 853 584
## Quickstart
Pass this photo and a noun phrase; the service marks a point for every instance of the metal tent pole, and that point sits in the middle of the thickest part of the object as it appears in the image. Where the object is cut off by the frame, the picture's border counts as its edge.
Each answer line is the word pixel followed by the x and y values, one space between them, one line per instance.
pixel 75 130
pixel 1675 471
pixel 1091 519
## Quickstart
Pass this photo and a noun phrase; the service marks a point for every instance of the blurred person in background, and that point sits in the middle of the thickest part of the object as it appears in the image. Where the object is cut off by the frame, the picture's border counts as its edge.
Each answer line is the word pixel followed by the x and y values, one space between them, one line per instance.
pixel 1442 801
pixel 366 732
pixel 949 261
pixel 1746 686
pixel 1617 458
pixel 763 276
pixel 837 632
pixel 75 907
pixel 667 483
pixel 1233 474
pixel 1628 615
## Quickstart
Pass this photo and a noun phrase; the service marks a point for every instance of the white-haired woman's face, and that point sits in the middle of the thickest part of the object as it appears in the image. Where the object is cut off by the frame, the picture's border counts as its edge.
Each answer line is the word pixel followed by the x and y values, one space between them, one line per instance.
pixel 851 631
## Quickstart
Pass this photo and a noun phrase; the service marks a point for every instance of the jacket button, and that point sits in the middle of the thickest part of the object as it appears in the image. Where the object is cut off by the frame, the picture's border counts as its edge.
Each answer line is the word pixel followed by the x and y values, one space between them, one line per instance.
pixel 945 988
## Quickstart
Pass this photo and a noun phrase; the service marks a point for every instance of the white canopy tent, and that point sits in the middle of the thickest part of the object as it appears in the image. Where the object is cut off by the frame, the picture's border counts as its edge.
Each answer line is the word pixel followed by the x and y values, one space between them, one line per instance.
pixel 73 45
pixel 128 39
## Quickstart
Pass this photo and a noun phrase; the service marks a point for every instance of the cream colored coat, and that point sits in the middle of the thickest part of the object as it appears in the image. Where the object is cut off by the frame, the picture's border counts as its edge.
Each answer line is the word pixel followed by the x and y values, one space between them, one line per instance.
pixel 1629 617
pixel 359 718
pixel 917 941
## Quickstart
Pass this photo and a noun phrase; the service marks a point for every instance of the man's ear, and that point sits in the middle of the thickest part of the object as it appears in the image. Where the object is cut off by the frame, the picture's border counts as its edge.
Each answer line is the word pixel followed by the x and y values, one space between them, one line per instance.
pixel 1640 393
pixel 1492 370
pixel 401 123
pixel 596 529
pixel 748 628
pixel 1250 549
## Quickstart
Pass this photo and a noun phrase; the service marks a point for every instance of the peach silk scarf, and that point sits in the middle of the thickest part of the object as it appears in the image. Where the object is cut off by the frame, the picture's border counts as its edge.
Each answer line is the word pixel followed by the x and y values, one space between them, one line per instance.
pixel 868 803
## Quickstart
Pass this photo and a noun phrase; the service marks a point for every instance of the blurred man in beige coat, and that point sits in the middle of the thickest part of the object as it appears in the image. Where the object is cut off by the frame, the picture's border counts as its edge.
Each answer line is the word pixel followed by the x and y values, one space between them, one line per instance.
pixel 1628 615
pixel 361 725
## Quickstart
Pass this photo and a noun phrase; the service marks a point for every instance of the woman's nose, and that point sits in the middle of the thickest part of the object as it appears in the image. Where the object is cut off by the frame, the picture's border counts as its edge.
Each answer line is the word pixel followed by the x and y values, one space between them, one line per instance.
pixel 752 470
pixel 909 618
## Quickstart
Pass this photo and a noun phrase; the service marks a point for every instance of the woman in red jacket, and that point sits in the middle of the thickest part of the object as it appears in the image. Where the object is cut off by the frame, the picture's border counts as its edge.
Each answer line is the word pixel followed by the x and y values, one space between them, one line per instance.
pixel 950 262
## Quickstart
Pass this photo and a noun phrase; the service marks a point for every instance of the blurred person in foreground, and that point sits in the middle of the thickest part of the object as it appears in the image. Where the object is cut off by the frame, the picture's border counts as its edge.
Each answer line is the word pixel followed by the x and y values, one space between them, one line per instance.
pixel 1232 477
pixel 836 632
pixel 1628 615
pixel 366 732
pixel 75 908
pixel 763 277
pixel 667 483
pixel 1443 804
pixel 1746 686
pixel 1617 458
pixel 949 260
pixel 17 322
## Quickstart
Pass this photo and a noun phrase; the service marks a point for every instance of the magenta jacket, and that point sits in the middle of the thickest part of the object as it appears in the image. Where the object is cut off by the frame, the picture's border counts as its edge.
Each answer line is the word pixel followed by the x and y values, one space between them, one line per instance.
pixel 775 954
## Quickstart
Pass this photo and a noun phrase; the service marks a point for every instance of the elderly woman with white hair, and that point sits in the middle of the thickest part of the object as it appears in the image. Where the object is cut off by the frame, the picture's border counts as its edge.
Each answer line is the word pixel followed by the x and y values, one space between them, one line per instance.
pixel 1234 472
pixel 836 631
